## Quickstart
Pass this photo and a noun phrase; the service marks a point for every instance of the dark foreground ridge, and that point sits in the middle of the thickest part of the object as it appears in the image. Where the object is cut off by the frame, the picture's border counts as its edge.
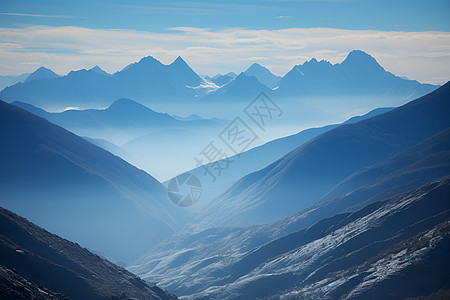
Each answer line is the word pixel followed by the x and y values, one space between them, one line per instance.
pixel 35 264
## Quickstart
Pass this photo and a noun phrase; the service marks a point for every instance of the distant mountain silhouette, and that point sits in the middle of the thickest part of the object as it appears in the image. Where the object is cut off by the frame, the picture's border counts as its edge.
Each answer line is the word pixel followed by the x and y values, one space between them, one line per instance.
pixel 124 119
pixel 79 190
pixel 42 73
pixel 263 75
pixel 12 79
pixel 358 74
pixel 221 80
pixel 147 80
pixel 302 177
pixel 242 88
pixel 37 260
pixel 137 134
pixel 98 70
pixel 150 82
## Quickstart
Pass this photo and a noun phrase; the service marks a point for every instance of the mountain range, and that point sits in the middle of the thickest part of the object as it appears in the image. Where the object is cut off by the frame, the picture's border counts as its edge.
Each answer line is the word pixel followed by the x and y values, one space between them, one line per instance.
pixel 300 178
pixel 379 233
pixel 152 83
pixel 40 73
pixel 137 133
pixel 7 80
pixel 79 190
pixel 148 80
pixel 359 74
pixel 120 122
pixel 252 160
pixel 352 210
pixel 392 249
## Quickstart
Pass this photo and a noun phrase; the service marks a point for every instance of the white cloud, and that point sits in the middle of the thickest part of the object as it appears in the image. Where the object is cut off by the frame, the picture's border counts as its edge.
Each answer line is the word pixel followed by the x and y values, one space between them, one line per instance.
pixel 424 56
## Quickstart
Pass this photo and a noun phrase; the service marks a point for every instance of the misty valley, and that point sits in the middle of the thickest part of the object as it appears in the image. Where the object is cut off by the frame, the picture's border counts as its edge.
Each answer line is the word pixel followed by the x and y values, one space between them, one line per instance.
pixel 157 181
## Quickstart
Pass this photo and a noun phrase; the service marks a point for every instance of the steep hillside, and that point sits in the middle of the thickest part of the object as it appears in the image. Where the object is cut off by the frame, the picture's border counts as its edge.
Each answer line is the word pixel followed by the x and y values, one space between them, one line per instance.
pixel 303 176
pixel 79 190
pixel 37 260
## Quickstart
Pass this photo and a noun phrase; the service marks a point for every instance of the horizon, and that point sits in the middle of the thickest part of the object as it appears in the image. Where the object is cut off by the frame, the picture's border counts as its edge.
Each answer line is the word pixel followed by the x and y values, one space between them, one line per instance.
pixel 237 72
pixel 66 36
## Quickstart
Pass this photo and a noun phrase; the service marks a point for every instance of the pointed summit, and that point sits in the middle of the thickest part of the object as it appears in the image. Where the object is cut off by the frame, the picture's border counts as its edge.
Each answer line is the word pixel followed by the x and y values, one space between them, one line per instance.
pixel 126 103
pixel 360 59
pixel 182 73
pixel 98 70
pixel 41 73
pixel 179 61
pixel 263 75
pixel 143 63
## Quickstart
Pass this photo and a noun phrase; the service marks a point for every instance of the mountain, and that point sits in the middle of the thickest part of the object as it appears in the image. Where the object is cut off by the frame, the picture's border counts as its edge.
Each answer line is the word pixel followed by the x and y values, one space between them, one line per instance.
pixel 303 176
pixel 221 80
pixel 12 79
pixel 14 286
pixel 241 88
pixel 257 158
pixel 41 73
pixel 36 264
pixel 181 74
pixel 147 80
pixel 203 252
pixel 359 74
pixel 137 134
pixel 79 190
pixel 391 249
pixel 110 147
pixel 263 75
pixel 231 74
pixel 98 70
pixel 122 121
pixel 358 83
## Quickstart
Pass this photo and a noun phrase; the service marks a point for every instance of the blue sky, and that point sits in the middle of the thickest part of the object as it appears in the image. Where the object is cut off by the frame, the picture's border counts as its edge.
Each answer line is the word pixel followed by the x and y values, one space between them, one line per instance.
pixel 156 16
pixel 65 35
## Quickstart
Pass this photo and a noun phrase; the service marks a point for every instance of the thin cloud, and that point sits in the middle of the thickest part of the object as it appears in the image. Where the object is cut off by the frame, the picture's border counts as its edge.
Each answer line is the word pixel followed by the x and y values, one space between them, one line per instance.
pixel 424 56
pixel 30 63
pixel 257 58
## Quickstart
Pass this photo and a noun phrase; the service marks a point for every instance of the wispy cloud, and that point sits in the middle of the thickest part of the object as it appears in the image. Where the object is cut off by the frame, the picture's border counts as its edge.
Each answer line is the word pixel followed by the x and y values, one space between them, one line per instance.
pixel 30 63
pixel 424 56
pixel 39 16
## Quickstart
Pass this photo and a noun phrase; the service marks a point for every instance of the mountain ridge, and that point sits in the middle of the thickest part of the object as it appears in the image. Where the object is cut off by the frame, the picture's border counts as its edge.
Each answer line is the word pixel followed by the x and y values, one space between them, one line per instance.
pixel 378 137
pixel 64 266
pixel 79 190
pixel 152 82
